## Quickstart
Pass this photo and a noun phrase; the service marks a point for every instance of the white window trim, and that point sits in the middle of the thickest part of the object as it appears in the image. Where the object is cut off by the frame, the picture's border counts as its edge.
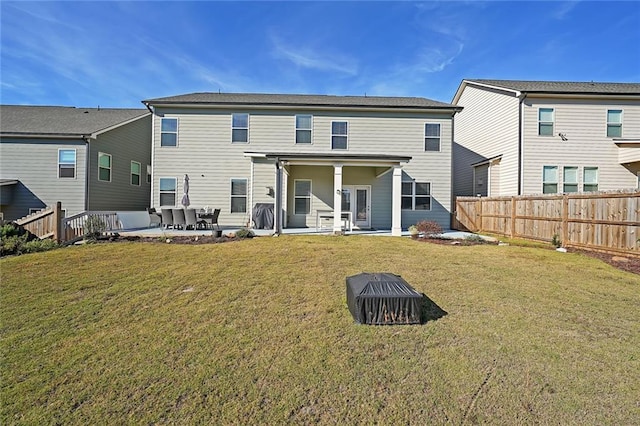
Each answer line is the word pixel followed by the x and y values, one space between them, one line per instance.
pixel 414 195
pixel 576 183
pixel 553 122
pixel 606 131
pixel 347 135
pixel 439 137
pixel 245 196
pixel 176 132
pixel 110 167
pixel 305 196
pixel 75 163
pixel 295 136
pixel 131 174
pixel 556 183
pixel 241 128
pixel 175 191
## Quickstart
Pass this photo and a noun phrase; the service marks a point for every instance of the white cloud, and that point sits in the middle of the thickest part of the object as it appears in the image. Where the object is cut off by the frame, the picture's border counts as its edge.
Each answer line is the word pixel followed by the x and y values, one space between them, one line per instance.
pixel 564 9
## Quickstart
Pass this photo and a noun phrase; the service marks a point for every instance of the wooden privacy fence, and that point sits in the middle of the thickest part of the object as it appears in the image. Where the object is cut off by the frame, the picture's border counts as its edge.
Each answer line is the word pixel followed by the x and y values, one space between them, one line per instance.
pixel 44 224
pixel 599 221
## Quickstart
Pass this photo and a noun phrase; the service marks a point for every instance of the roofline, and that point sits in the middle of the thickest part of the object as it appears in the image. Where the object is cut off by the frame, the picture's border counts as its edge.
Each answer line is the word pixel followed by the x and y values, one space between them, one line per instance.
pixel 115 126
pixel 465 83
pixel 386 158
pixel 487 161
pixel 26 135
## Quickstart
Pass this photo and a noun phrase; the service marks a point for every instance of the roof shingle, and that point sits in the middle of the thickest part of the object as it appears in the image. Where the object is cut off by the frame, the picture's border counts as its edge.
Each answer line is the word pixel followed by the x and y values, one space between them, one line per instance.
pixel 565 87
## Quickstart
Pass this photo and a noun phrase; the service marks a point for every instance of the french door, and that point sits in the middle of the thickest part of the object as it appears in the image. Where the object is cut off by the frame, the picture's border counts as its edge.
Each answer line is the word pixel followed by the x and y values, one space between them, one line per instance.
pixel 357 200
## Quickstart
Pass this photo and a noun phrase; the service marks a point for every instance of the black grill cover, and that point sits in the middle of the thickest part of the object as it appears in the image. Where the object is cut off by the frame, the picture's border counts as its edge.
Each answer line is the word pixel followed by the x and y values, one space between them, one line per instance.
pixel 263 215
pixel 383 298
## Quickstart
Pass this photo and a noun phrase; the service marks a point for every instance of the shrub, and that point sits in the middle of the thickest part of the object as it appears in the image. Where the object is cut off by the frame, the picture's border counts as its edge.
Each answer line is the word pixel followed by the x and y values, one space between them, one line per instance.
pixel 429 228
pixel 35 246
pixel 14 239
pixel 245 233
pixel 556 241
pixel 93 228
pixel 475 239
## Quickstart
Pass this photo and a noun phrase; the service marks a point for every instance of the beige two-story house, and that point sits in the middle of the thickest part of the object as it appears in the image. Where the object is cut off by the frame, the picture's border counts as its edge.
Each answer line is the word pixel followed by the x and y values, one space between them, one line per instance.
pixel 366 162
pixel 531 137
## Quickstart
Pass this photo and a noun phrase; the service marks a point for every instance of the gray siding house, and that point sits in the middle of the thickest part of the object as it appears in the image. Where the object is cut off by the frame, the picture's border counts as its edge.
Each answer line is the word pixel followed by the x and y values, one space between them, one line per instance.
pixel 87 158
pixel 531 137
pixel 386 162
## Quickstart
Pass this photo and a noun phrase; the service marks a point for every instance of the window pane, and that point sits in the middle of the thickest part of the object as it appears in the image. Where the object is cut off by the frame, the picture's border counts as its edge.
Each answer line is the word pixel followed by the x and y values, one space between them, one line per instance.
pixel 549 188
pixel 545 114
pixel 423 188
pixel 167 184
pixel 302 206
pixel 238 204
pixel 168 199
pixel 432 130
pixel 570 175
pixel 432 144
pixel 239 135
pixel 303 136
pixel 346 200
pixel 339 142
pixel 550 174
pixel 545 129
pixel 339 127
pixel 66 172
pixel 406 203
pixel 104 174
pixel 241 120
pixel 303 122
pixel 168 139
pixel 407 188
pixel 135 179
pixel 169 125
pixel 590 188
pixel 614 116
pixel 614 131
pixel 104 160
pixel 573 187
pixel 302 188
pixel 239 187
pixel 67 156
pixel 590 175
pixel 135 168
pixel 423 203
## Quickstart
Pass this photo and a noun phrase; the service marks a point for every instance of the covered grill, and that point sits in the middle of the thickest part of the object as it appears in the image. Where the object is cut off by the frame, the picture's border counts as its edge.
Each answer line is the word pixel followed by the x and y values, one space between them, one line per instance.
pixel 263 215
pixel 383 298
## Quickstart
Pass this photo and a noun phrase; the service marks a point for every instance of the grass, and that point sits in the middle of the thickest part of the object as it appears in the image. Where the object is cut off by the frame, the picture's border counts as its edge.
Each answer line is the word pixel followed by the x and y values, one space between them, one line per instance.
pixel 258 332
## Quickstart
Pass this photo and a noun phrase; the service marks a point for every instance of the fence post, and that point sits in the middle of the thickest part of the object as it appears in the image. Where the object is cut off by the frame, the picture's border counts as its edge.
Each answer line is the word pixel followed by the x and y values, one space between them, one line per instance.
pixel 479 210
pixel 565 219
pixel 513 217
pixel 57 222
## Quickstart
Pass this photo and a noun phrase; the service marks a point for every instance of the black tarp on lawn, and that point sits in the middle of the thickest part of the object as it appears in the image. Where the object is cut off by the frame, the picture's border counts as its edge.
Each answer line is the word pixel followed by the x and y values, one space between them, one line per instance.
pixel 383 298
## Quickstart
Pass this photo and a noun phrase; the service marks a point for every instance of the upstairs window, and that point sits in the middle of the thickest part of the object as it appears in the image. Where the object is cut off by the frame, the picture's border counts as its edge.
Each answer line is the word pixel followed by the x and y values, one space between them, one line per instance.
pixel 590 179
pixel 148 173
pixel 570 179
pixel 432 137
pixel 339 131
pixel 614 123
pixel 545 121
pixel 169 132
pixel 549 179
pixel 303 128
pixel 238 195
pixel 104 167
pixel 302 195
pixel 240 128
pixel 416 196
pixel 66 163
pixel 168 191
pixel 136 169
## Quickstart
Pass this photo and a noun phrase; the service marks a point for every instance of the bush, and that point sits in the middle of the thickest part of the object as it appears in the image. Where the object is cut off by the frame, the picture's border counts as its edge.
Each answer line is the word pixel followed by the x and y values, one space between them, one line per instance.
pixel 245 233
pixel 35 246
pixel 93 228
pixel 14 239
pixel 429 228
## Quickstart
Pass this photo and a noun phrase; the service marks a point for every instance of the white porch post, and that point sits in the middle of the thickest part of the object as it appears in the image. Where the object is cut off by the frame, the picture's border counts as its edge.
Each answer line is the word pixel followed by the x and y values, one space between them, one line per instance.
pixel 337 198
pixel 396 205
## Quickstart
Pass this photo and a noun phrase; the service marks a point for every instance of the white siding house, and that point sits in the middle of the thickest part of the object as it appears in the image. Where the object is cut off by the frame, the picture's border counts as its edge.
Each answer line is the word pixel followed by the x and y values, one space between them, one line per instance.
pixel 385 161
pixel 529 137
pixel 87 158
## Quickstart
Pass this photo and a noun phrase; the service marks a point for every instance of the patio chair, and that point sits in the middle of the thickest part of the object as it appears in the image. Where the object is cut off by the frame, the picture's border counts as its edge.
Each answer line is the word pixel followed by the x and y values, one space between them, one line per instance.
pixel 178 218
pixel 167 218
pixel 191 218
pixel 214 218
pixel 154 218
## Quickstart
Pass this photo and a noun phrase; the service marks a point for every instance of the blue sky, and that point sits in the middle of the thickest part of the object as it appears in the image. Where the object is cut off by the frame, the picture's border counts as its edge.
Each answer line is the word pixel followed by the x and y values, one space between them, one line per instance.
pixel 114 54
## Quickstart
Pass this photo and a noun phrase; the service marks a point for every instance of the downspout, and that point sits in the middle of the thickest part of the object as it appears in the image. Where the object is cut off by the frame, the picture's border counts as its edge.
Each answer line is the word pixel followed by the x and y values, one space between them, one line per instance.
pixel 522 97
pixel 153 144
pixel 278 200
pixel 87 172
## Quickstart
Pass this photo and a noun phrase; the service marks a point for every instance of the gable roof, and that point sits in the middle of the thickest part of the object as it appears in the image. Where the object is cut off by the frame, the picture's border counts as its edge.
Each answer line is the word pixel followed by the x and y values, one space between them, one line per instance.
pixel 262 99
pixel 555 87
pixel 58 121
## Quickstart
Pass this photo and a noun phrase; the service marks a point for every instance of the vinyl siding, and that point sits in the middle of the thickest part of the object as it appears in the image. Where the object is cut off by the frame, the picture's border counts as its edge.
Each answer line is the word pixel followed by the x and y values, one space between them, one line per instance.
pixel 585 123
pixel 130 142
pixel 206 153
pixel 485 128
pixel 35 164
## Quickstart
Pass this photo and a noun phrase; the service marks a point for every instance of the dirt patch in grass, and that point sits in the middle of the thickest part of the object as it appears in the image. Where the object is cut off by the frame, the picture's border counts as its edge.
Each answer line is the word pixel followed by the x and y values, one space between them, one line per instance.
pixel 629 264
pixel 456 242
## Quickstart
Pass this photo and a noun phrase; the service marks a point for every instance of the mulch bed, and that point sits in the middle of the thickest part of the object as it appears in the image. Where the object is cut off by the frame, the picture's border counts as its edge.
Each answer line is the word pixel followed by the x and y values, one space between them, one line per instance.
pixel 200 239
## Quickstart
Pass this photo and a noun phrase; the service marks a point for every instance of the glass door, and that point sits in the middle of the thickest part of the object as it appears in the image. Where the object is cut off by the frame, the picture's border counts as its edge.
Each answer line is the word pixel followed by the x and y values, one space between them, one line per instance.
pixel 362 208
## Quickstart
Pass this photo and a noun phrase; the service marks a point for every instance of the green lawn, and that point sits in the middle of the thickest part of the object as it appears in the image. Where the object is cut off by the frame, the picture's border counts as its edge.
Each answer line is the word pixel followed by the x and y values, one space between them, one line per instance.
pixel 258 332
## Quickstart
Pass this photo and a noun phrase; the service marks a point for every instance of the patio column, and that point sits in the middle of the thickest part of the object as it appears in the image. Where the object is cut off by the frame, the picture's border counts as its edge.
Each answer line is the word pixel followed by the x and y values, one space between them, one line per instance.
pixel 396 204
pixel 337 198
pixel 277 211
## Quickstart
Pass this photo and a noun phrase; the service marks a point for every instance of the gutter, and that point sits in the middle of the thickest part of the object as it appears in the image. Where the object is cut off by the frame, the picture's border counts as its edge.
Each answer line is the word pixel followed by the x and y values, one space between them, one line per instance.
pixel 522 96
pixel 87 172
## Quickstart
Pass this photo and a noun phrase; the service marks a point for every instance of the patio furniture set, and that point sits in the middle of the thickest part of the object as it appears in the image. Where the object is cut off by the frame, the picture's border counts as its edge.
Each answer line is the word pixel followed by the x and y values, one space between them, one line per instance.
pixel 188 218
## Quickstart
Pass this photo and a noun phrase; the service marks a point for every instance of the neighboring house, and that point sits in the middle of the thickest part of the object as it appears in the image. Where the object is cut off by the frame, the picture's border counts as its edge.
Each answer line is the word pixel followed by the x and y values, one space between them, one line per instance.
pixel 531 137
pixel 87 158
pixel 385 160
